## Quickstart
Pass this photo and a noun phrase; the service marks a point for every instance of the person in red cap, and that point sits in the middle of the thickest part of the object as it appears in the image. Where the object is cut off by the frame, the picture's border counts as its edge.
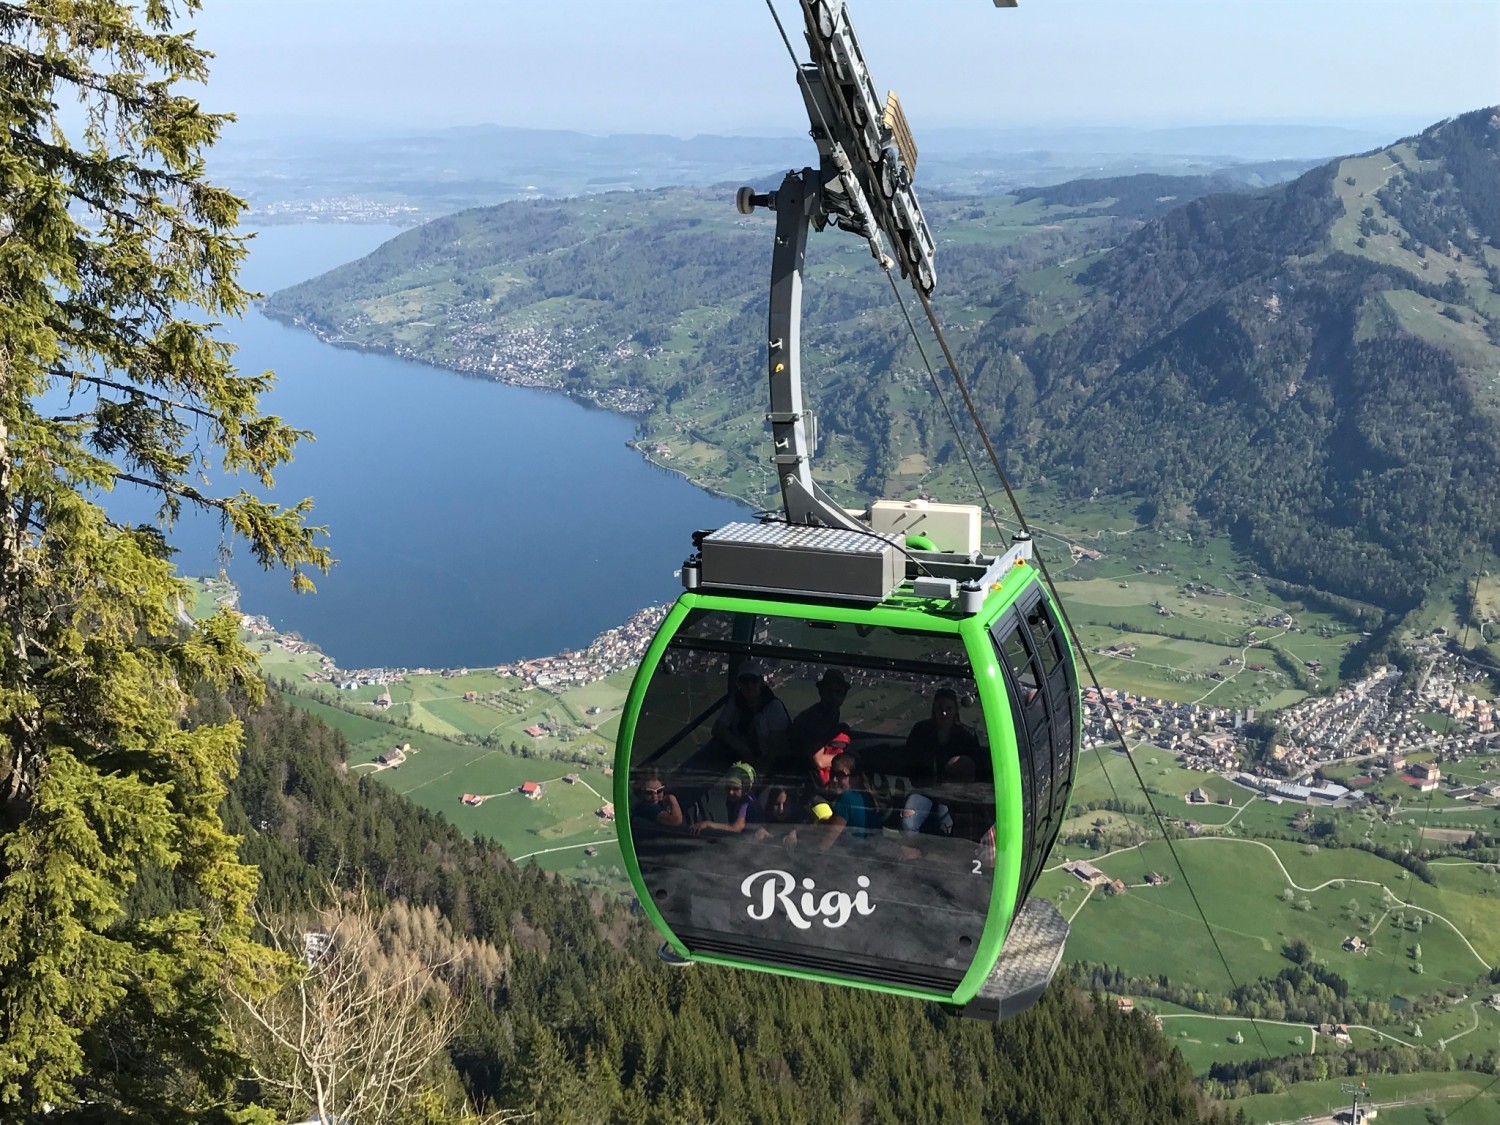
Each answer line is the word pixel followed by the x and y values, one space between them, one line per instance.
pixel 820 781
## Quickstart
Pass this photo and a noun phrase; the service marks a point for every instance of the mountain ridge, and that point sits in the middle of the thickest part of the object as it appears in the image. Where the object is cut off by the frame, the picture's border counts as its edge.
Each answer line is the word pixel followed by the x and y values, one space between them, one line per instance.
pixel 1290 336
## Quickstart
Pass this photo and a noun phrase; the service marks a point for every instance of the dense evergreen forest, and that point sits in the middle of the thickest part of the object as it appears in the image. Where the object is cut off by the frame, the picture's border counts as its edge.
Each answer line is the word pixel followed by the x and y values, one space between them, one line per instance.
pixel 1309 367
pixel 584 1024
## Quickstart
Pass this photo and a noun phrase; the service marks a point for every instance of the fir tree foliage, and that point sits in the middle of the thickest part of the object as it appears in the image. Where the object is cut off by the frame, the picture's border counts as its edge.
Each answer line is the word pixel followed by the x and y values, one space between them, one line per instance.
pixel 583 1023
pixel 116 258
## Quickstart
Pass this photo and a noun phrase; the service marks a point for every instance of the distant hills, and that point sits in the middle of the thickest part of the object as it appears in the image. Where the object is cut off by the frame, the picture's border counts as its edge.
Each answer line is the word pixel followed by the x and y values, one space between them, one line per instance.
pixel 301 172
pixel 1313 366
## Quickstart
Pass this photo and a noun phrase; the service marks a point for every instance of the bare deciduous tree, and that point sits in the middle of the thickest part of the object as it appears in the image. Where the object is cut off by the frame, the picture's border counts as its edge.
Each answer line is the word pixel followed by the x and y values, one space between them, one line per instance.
pixel 354 1033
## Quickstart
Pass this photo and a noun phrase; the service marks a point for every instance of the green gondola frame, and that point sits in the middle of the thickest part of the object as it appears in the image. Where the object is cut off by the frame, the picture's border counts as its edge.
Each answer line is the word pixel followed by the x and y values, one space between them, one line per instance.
pixel 1021 754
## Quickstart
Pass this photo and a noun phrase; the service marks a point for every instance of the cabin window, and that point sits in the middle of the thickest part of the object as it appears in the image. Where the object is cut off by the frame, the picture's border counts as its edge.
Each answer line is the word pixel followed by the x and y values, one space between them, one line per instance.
pixel 751 724
pixel 1044 696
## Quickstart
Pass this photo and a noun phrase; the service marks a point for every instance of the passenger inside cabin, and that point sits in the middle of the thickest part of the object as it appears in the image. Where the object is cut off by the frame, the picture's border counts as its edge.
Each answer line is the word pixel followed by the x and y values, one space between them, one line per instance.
pixel 654 804
pixel 753 724
pixel 856 813
pixel 950 808
pixel 934 740
pixel 783 815
pixel 743 809
pixel 813 727
pixel 820 786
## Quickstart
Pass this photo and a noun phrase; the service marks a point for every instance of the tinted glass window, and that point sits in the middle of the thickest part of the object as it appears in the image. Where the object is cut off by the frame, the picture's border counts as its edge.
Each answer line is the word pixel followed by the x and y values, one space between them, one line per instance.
pixel 833 806
pixel 1044 691
pixel 1044 635
pixel 834 639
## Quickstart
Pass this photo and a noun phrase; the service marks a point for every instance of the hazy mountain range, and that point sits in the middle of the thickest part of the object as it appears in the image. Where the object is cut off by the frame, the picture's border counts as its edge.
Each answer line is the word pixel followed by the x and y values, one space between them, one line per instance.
pixel 299 173
pixel 1311 366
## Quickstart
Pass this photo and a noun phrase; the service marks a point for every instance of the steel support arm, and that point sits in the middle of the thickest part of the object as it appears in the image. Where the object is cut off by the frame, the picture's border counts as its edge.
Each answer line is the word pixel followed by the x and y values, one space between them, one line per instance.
pixel 793 428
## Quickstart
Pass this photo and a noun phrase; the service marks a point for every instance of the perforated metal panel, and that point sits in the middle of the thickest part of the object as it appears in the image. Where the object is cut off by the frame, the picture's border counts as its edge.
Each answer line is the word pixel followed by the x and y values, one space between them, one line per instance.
pixel 818 561
pixel 1032 952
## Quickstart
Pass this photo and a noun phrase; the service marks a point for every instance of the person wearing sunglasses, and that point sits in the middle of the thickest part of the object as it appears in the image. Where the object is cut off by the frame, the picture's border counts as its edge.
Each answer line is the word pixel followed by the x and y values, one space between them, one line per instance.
pixel 856 812
pixel 655 804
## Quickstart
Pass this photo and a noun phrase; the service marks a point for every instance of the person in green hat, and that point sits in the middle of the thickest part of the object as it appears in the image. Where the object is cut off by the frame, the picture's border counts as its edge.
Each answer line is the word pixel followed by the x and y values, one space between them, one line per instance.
pixel 739 800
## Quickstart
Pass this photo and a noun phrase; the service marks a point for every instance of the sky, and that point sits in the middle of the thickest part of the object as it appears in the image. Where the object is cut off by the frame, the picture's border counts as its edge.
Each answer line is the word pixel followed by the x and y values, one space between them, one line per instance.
pixel 718 66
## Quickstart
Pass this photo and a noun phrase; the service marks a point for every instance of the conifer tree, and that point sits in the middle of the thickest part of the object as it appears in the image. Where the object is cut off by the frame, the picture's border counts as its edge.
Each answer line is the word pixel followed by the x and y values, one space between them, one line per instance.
pixel 116 257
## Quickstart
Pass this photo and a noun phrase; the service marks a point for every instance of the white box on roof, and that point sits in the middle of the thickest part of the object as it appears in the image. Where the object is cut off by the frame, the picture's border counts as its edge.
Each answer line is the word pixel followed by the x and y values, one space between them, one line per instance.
pixel 952 527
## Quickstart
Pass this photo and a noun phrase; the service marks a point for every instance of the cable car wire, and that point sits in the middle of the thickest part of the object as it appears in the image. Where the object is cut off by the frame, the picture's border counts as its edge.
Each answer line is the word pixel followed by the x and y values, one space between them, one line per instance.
pixel 963 446
pixel 1041 563
pixel 1109 711
pixel 1452 1113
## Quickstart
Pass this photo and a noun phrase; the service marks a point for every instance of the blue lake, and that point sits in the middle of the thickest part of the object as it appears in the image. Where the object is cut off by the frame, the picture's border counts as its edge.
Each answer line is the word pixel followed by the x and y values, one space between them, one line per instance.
pixel 472 522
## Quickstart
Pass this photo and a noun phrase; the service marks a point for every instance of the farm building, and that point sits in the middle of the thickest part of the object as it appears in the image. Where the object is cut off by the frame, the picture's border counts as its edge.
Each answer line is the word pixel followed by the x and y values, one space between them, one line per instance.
pixel 1087 872
pixel 394 757
pixel 531 790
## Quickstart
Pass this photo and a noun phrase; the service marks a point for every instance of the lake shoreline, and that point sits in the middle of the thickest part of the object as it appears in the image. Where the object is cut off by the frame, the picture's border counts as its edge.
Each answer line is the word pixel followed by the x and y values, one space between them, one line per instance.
pixel 589 401
pixel 473 524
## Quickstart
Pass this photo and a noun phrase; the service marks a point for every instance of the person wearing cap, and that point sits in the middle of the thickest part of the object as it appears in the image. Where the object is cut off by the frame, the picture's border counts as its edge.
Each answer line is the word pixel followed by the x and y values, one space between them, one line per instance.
pixel 933 741
pixel 813 727
pixel 743 808
pixel 753 723
pixel 820 783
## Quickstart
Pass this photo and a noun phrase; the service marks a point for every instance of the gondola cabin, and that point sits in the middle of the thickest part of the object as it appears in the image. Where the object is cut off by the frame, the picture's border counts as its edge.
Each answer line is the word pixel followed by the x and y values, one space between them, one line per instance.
pixel 846 760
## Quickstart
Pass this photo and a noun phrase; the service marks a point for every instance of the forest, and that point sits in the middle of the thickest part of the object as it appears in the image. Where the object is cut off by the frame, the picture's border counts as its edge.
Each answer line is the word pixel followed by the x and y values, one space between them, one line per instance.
pixel 581 1023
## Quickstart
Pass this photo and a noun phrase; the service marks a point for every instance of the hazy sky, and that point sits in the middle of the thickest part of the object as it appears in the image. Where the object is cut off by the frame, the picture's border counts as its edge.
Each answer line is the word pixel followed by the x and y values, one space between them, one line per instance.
pixel 688 66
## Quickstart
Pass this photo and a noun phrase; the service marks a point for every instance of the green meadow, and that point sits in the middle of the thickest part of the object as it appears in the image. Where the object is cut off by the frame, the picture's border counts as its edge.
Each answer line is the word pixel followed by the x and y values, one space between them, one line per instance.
pixel 1465 1097
pixel 1260 897
pixel 556 830
pixel 1205 1040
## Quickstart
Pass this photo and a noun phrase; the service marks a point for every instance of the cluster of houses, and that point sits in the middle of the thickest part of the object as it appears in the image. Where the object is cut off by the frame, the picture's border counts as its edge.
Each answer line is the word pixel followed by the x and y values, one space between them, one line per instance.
pixel 527 355
pixel 1360 721
pixel 613 650
pixel 1090 876
pixel 339 209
